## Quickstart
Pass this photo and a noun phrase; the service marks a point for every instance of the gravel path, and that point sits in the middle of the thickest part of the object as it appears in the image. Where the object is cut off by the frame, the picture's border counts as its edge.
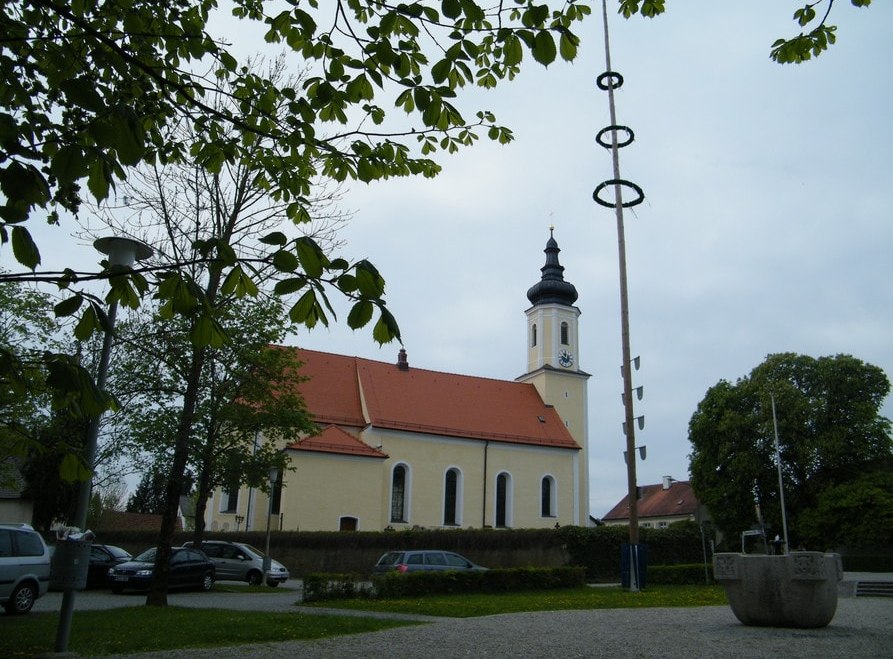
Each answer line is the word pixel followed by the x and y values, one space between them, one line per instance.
pixel 862 628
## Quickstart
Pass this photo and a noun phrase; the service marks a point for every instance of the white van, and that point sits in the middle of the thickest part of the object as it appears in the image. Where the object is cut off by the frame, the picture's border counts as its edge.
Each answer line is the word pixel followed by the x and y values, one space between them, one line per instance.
pixel 24 567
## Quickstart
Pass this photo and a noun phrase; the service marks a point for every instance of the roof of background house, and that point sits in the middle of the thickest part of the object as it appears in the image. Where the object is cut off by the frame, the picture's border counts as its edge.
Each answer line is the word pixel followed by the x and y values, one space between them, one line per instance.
pixel 678 499
pixel 350 391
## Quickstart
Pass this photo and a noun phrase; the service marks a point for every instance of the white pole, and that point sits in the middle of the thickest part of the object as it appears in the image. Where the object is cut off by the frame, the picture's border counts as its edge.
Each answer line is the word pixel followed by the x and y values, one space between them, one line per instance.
pixel 784 517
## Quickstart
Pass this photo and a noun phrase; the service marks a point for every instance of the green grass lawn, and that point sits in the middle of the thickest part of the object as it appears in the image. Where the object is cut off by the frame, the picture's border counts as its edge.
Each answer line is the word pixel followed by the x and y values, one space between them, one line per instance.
pixel 144 629
pixel 584 597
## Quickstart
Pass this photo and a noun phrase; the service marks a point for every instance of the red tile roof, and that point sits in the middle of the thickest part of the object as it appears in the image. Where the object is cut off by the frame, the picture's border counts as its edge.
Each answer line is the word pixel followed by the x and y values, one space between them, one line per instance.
pixel 350 391
pixel 677 500
pixel 335 440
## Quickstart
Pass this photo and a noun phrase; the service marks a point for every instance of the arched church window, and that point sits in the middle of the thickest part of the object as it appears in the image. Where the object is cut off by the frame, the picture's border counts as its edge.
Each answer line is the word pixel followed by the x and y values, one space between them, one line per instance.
pixel 503 500
pixel 547 497
pixel 564 334
pixel 451 497
pixel 533 336
pixel 399 493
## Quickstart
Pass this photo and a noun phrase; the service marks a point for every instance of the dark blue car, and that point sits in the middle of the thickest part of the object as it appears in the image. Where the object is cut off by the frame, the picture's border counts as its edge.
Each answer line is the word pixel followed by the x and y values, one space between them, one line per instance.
pixel 190 568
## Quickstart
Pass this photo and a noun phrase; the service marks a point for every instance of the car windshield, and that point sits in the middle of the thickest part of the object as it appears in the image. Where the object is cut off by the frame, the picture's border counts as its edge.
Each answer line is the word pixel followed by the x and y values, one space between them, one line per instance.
pixel 390 558
pixel 147 556
pixel 252 549
pixel 117 552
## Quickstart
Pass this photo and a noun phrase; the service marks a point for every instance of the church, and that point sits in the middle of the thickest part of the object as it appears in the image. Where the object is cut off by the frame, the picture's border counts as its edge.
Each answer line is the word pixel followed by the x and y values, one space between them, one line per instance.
pixel 403 447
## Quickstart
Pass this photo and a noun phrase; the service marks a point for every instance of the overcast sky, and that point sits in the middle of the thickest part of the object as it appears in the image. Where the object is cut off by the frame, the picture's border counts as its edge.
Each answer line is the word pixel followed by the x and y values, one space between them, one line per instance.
pixel 766 225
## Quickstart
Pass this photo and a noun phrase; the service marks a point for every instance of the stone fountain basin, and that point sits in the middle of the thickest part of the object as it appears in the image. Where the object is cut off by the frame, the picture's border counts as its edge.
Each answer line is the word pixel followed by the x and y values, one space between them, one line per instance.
pixel 798 589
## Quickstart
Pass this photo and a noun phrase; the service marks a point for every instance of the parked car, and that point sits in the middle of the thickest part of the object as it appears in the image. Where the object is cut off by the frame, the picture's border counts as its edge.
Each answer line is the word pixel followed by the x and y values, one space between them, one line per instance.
pixel 237 561
pixel 24 567
pixel 425 559
pixel 190 568
pixel 103 557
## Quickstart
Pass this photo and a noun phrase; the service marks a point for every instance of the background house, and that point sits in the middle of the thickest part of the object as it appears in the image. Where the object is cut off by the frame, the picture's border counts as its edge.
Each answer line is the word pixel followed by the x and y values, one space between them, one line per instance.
pixel 660 505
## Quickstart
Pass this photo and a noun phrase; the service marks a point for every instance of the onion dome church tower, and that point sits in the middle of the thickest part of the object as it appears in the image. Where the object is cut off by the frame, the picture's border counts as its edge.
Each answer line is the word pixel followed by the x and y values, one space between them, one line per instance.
pixel 553 361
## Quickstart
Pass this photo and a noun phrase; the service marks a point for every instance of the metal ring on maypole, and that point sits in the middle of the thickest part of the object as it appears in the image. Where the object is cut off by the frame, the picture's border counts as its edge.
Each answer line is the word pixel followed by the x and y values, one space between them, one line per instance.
pixel 630 136
pixel 615 80
pixel 622 182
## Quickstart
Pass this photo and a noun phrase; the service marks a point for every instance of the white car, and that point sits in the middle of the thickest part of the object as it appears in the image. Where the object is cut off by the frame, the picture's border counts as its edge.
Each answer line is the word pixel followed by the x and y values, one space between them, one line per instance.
pixel 24 567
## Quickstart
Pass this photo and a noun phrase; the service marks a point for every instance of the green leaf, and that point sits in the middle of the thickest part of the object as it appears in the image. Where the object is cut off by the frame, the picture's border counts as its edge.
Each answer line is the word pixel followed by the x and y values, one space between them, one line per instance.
pixel 302 310
pixel 68 307
pixel 285 261
pixel 86 324
pixel 360 314
pixel 544 48
pixel 451 8
pixel 385 329
pixel 568 46
pixel 288 286
pixel 311 257
pixel 73 468
pixel 24 249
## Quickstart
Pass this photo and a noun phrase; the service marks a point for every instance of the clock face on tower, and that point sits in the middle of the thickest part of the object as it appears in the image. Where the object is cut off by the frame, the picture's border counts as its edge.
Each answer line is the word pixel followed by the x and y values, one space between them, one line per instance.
pixel 565 359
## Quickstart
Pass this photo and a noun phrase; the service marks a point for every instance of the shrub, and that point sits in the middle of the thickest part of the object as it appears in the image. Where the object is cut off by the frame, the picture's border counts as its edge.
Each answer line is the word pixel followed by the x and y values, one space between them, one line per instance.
pixel 318 587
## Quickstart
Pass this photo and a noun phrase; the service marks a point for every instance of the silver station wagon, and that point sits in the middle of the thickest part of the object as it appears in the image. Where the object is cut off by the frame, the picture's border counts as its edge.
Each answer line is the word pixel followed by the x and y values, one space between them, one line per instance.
pixel 416 560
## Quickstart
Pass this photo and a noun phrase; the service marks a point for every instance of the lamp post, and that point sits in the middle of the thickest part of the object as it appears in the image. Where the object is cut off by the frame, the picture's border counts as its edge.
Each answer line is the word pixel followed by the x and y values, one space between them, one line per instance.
pixel 123 253
pixel 274 477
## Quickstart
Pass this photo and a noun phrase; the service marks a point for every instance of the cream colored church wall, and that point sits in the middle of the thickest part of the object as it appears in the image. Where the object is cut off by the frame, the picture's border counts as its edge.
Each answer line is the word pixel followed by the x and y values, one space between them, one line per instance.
pixel 428 459
pixel 526 467
pixel 326 487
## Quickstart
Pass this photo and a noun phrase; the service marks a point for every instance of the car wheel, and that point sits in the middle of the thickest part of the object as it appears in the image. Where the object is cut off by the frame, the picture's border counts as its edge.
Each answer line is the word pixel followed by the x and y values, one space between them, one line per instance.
pixel 272 584
pixel 254 578
pixel 21 600
pixel 207 581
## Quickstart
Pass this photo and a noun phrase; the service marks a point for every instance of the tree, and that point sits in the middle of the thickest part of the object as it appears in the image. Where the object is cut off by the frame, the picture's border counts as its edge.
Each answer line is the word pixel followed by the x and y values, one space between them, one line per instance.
pixel 27 328
pixel 794 50
pixel 239 398
pixel 182 400
pixel 57 440
pixel 830 432
pixel 149 496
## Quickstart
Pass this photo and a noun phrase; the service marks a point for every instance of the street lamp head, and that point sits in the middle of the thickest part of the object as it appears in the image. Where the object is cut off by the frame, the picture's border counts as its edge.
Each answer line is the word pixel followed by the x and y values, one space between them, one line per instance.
pixel 273 475
pixel 123 251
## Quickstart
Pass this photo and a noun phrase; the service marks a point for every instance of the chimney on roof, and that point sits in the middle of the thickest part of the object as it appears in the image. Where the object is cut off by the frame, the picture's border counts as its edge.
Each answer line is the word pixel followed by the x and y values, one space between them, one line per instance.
pixel 668 480
pixel 402 362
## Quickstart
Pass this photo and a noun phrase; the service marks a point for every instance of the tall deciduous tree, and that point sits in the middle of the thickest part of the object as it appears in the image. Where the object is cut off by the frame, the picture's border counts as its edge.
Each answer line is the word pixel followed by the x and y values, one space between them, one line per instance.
pixel 830 431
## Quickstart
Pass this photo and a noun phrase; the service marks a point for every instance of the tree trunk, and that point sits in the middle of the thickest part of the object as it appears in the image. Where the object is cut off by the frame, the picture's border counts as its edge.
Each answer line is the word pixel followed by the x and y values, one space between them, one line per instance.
pixel 201 504
pixel 157 595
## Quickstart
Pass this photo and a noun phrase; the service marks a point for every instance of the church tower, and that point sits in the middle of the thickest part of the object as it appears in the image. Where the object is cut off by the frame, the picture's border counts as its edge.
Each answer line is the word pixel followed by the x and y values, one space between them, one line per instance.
pixel 553 362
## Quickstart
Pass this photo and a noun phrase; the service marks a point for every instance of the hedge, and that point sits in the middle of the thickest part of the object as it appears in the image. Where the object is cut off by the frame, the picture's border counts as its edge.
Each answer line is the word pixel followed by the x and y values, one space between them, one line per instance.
pixel 318 587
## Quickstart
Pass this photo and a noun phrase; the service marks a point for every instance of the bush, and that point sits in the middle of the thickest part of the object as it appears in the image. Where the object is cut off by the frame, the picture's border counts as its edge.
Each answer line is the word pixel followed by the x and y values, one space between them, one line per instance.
pixel 867 562
pixel 318 587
